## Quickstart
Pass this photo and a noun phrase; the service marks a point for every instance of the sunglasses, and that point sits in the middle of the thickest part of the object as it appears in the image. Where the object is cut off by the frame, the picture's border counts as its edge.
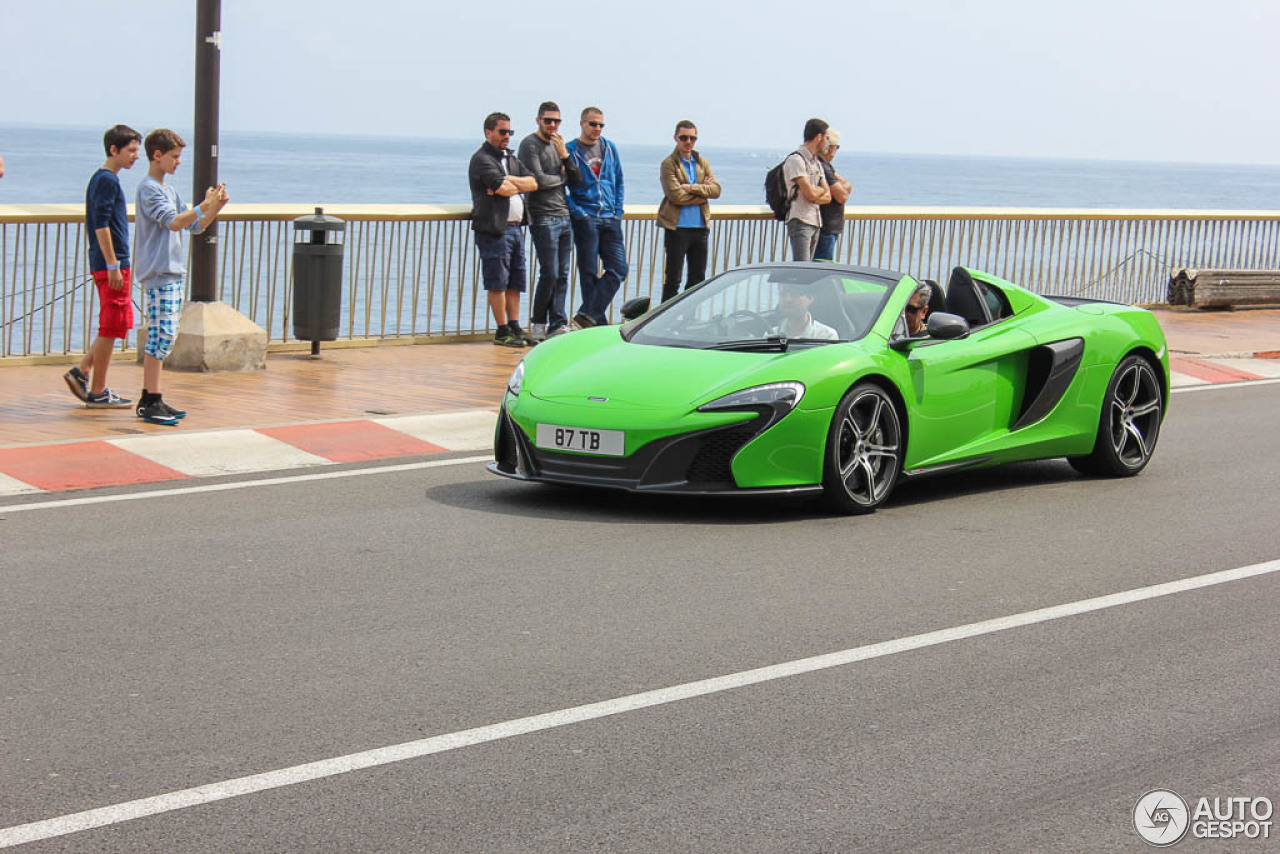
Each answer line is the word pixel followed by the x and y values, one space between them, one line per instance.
pixel 551 121
pixel 914 309
pixel 595 124
pixel 506 131
pixel 684 137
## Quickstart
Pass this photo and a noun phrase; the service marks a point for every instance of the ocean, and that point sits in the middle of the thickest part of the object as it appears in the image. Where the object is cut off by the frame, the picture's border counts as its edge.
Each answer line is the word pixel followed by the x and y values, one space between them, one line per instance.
pixel 45 165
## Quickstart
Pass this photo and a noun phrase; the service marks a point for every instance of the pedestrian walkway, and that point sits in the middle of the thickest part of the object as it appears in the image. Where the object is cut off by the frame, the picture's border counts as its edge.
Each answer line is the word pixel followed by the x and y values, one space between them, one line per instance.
pixel 344 384
pixel 359 404
pixel 352 404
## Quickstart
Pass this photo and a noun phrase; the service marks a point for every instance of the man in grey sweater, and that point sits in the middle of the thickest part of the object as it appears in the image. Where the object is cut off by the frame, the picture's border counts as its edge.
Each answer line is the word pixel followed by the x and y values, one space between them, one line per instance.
pixel 543 153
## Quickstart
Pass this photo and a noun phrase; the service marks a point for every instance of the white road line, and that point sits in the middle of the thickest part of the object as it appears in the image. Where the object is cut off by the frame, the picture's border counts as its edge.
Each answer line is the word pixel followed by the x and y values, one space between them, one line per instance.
pixel 130 810
pixel 247 484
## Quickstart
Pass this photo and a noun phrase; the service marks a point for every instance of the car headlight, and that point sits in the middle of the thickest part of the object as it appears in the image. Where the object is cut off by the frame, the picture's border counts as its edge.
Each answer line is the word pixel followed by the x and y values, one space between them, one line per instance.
pixel 781 398
pixel 517 380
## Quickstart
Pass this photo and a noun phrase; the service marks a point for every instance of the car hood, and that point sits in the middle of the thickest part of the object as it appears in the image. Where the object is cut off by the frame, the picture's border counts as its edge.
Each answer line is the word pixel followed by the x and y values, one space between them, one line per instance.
pixel 598 363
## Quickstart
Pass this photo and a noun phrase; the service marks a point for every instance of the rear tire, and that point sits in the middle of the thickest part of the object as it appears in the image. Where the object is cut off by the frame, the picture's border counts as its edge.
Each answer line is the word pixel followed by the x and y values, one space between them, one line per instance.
pixel 864 451
pixel 1129 424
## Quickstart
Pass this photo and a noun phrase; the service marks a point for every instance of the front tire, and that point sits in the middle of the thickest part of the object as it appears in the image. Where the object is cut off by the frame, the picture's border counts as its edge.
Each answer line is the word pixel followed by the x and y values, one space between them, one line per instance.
pixel 864 451
pixel 1129 424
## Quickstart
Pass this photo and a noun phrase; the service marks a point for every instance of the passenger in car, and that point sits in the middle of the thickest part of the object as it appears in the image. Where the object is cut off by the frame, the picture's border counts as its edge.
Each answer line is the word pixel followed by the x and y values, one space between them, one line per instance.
pixel 912 322
pixel 794 301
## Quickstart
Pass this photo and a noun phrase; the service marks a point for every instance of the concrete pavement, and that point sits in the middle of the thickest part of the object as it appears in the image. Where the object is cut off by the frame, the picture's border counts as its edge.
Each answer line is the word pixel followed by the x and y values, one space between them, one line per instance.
pixel 158 646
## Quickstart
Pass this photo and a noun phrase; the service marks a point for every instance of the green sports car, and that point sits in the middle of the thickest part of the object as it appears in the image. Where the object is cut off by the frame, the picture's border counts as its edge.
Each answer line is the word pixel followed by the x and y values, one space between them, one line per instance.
pixel 835 380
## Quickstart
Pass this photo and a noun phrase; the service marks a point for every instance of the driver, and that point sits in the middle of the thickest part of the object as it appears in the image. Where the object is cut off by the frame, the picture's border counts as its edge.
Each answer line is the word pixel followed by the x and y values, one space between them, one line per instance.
pixel 794 302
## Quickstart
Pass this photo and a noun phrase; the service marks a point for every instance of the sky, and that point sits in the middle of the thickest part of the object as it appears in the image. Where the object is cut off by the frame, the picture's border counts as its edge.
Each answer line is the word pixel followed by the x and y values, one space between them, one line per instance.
pixel 1098 79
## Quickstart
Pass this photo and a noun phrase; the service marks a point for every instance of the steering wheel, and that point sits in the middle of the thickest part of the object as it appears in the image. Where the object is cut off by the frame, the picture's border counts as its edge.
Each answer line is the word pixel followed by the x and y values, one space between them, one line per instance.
pixel 747 324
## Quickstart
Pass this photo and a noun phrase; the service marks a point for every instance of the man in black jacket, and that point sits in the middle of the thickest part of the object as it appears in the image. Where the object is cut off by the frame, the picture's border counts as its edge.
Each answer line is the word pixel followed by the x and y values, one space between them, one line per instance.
pixel 498 217
pixel 544 154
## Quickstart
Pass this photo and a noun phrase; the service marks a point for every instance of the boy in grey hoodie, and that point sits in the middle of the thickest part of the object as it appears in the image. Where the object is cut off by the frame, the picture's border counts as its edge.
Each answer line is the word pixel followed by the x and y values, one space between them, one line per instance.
pixel 159 261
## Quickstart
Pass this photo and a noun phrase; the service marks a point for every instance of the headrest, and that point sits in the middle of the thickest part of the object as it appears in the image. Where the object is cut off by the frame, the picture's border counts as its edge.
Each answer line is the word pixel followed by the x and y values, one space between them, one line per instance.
pixel 963 298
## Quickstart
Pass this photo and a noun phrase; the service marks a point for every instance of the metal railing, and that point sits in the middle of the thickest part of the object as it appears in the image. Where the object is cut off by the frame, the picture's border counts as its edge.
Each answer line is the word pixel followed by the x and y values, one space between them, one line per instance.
pixel 411 271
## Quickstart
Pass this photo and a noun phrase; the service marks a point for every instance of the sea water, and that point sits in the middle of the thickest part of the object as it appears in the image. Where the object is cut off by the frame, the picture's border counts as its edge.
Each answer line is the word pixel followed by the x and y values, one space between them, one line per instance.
pixel 46 165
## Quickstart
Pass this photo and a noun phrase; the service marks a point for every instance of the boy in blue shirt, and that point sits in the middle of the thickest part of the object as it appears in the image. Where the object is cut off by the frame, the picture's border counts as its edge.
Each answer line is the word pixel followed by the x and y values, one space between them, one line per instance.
pixel 107 227
pixel 160 217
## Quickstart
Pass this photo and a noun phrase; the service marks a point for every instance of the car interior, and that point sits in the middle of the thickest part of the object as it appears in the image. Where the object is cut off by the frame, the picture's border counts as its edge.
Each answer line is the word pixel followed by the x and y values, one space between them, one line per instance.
pixel 849 314
pixel 937 298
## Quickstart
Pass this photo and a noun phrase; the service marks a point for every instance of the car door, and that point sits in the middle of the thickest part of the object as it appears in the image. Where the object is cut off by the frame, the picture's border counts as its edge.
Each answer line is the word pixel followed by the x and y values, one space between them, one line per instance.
pixel 963 392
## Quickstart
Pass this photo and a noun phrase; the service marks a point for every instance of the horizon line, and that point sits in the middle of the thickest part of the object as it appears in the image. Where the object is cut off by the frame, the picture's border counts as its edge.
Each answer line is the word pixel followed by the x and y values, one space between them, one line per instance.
pixel 741 148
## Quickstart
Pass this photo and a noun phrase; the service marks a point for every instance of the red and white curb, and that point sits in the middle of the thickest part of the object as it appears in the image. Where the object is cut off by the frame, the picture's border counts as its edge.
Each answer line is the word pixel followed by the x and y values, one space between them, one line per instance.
pixel 182 455
pixel 1194 370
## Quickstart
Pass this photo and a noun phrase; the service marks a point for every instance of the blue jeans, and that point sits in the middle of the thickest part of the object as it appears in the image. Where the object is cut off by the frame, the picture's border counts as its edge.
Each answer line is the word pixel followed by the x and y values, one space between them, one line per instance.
pixel 599 238
pixel 826 250
pixel 553 242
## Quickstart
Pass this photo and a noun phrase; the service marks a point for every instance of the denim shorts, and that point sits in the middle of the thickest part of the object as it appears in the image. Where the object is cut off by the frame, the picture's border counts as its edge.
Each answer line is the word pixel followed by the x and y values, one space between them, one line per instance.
pixel 502 259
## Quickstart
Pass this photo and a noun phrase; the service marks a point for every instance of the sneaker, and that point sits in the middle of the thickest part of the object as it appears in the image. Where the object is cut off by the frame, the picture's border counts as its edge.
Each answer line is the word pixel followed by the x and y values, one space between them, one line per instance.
pixel 520 334
pixel 581 321
pixel 559 330
pixel 176 413
pixel 107 399
pixel 78 383
pixel 537 332
pixel 156 413
pixel 504 338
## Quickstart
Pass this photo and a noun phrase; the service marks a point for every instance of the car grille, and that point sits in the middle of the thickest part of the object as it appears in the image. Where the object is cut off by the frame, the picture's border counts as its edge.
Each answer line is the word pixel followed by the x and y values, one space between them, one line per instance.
pixel 694 461
pixel 713 463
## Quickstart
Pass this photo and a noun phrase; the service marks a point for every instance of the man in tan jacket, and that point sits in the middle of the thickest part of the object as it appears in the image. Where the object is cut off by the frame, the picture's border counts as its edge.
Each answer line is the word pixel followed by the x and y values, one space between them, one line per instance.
pixel 685 216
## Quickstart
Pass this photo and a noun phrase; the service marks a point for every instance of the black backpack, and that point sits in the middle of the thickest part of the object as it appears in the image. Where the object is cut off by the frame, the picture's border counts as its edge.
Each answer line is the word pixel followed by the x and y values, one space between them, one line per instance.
pixel 776 195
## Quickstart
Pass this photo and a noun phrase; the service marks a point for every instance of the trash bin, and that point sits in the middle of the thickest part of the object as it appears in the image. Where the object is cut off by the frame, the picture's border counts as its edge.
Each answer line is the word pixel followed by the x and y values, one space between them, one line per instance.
pixel 317 278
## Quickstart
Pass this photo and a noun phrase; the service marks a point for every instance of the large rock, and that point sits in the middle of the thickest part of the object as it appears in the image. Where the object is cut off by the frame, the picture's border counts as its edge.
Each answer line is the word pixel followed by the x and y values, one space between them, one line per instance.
pixel 213 336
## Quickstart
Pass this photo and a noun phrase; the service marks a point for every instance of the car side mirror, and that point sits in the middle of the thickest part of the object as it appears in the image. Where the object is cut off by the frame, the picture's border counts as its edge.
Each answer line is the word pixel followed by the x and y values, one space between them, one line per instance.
pixel 633 308
pixel 947 326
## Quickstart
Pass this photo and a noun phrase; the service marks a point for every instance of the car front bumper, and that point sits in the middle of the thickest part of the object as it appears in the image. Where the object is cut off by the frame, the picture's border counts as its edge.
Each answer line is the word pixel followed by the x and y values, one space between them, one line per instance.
pixel 699 462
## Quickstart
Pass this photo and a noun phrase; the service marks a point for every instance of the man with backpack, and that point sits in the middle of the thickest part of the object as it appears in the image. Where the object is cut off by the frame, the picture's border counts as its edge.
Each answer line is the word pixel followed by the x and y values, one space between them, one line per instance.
pixel 807 190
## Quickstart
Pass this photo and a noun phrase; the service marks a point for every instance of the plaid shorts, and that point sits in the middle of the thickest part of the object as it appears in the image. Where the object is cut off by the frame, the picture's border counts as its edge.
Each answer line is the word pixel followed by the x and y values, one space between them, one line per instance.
pixel 163 307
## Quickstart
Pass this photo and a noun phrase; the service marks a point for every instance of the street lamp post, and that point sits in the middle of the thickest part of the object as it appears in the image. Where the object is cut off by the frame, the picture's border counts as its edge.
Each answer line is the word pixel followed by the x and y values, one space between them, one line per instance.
pixel 212 335
pixel 204 255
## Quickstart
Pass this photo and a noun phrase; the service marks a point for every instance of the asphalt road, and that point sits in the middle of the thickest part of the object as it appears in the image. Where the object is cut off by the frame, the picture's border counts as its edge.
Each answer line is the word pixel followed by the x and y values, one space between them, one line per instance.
pixel 151 646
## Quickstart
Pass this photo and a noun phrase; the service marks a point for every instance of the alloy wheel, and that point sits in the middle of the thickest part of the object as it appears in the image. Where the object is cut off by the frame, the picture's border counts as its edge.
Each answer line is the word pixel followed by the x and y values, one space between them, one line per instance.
pixel 868 448
pixel 1134 418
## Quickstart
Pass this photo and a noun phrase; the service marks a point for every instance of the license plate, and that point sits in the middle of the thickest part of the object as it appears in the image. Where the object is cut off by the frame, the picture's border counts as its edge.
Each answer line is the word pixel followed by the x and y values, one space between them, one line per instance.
pixel 554 437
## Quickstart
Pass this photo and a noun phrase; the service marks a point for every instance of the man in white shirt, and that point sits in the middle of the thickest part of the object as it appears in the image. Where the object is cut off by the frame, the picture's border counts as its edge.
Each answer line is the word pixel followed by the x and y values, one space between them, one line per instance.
pixel 794 302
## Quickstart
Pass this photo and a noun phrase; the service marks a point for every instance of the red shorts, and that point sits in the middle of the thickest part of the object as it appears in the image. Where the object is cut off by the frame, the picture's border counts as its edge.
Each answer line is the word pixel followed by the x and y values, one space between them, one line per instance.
pixel 115 318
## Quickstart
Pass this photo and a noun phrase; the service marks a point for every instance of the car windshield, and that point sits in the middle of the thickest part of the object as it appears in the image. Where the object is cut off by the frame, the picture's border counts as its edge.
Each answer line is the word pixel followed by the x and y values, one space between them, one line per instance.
pixel 768 308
